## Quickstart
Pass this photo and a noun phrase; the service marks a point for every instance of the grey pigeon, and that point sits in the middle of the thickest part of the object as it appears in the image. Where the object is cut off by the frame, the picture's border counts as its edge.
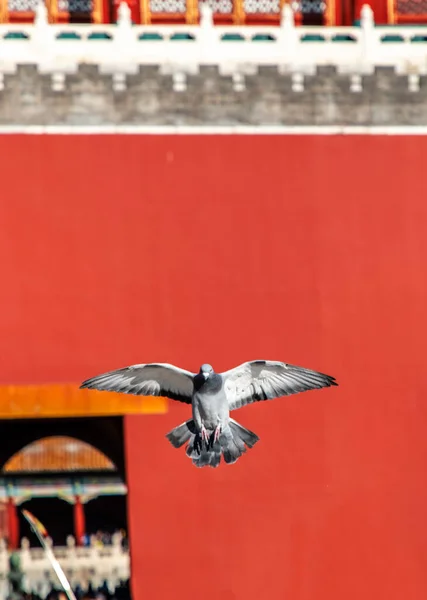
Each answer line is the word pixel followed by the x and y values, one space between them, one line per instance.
pixel 212 432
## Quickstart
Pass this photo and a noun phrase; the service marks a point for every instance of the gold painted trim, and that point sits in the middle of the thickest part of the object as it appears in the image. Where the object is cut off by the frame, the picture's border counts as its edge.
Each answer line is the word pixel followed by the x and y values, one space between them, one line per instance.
pixel 330 13
pixel 67 400
pixel 239 16
pixel 144 8
pixel 391 12
pixel 192 12
pixel 97 12
pixel 52 10
pixel 4 12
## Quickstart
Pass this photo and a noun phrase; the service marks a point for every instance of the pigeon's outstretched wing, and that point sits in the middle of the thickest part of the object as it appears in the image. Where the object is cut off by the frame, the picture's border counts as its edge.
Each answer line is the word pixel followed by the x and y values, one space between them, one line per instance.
pixel 266 379
pixel 155 379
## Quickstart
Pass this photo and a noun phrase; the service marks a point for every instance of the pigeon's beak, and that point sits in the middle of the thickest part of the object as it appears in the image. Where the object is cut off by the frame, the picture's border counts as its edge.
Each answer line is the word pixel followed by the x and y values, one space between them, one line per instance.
pixel 206 375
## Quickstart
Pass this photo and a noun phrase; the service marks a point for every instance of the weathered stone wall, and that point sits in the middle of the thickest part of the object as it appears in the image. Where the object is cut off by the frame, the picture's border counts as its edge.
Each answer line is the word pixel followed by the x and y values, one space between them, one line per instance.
pixel 266 97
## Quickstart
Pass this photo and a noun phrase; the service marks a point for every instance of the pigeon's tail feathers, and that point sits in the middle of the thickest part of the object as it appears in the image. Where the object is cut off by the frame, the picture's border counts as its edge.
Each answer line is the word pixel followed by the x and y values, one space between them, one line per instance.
pixel 202 454
pixel 245 435
pixel 234 439
pixel 233 442
pixel 182 434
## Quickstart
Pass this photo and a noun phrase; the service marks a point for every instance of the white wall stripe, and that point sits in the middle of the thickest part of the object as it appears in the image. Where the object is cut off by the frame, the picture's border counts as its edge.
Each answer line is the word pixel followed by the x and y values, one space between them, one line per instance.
pixel 210 130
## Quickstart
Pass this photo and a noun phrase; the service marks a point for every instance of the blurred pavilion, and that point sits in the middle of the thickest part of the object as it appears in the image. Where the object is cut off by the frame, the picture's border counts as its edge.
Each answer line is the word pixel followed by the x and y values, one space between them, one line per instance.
pixel 59 467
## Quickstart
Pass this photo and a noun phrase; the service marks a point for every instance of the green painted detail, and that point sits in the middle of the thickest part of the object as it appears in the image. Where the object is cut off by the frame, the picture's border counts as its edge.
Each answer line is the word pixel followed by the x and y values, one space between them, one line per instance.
pixel 68 35
pixel 16 35
pixel 22 489
pixel 99 36
pixel 312 37
pixel 392 38
pixel 263 37
pixel 150 37
pixel 182 37
pixel 343 38
pixel 232 37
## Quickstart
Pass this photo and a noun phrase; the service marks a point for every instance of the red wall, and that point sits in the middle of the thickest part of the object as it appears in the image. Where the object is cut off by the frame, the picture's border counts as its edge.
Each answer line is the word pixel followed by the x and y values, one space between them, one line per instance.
pixel 310 250
pixel 380 8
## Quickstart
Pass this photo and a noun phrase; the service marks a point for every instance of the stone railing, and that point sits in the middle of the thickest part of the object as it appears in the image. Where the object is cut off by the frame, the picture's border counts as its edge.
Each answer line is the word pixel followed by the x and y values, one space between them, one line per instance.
pixel 82 565
pixel 184 48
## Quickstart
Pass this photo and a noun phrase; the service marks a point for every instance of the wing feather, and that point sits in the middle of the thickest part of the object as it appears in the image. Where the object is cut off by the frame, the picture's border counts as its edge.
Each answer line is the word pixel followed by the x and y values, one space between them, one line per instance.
pixel 154 379
pixel 259 380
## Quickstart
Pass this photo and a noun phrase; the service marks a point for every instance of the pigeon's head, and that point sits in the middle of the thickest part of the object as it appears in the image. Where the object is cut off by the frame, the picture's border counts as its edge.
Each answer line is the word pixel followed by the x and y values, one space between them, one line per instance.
pixel 206 371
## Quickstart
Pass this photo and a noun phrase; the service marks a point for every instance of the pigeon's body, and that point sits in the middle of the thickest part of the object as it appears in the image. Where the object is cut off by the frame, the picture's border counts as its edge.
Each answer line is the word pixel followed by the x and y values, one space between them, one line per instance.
pixel 209 405
pixel 211 433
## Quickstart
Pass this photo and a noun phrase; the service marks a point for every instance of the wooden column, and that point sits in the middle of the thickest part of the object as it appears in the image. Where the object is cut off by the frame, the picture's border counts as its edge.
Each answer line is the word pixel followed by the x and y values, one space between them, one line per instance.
pixel 79 521
pixel 12 524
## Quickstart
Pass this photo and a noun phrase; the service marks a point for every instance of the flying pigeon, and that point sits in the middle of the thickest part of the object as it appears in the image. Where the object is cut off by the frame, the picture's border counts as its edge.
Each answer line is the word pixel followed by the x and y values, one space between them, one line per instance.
pixel 212 433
